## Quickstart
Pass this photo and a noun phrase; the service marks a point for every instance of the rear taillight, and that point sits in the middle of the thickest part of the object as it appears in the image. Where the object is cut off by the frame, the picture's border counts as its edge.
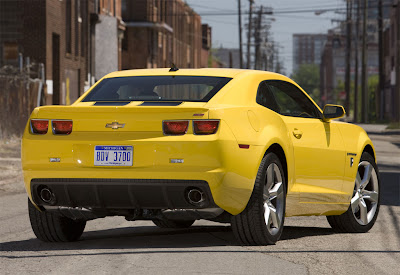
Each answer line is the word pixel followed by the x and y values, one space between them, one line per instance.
pixel 62 127
pixel 205 127
pixel 175 127
pixel 39 126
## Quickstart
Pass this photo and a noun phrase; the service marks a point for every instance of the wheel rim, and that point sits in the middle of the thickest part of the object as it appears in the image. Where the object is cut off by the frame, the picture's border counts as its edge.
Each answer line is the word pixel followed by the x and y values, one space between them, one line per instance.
pixel 366 193
pixel 273 199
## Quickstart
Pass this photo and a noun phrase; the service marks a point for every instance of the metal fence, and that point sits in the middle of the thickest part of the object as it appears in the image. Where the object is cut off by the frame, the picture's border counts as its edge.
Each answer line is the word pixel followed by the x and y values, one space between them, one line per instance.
pixel 19 95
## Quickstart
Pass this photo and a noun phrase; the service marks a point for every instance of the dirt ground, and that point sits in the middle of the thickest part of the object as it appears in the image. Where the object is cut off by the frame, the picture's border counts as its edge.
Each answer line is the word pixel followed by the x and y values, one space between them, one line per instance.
pixel 10 165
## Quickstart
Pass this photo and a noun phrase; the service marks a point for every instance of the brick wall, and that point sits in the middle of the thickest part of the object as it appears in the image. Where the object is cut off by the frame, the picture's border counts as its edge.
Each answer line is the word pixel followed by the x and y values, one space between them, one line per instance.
pixel 159 33
pixel 73 66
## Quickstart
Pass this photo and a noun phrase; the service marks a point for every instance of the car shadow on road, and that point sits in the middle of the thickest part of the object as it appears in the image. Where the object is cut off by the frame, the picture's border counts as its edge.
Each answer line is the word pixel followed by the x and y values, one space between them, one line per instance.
pixel 148 237
pixel 390 186
pixel 297 232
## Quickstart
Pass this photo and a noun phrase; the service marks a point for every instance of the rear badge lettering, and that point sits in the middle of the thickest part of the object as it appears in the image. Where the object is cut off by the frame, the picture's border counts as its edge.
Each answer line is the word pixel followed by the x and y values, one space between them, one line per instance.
pixel 54 159
pixel 176 160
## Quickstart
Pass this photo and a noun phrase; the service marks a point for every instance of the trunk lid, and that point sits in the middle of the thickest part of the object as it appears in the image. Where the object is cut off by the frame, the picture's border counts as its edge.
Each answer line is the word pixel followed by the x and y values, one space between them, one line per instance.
pixel 133 117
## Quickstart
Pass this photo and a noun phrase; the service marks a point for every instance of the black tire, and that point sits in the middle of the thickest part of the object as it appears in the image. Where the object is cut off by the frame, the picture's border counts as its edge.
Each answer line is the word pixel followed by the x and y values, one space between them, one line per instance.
pixel 250 226
pixel 165 223
pixel 50 227
pixel 349 221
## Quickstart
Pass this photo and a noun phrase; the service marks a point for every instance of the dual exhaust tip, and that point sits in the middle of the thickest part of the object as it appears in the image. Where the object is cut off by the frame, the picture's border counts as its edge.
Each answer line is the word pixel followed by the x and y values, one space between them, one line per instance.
pixel 46 195
pixel 195 197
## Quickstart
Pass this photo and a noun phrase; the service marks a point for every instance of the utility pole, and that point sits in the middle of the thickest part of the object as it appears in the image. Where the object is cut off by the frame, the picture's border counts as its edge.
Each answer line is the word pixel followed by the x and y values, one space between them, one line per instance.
pixel 356 63
pixel 257 39
pixel 364 91
pixel 348 56
pixel 249 33
pixel 398 62
pixel 240 36
pixel 381 61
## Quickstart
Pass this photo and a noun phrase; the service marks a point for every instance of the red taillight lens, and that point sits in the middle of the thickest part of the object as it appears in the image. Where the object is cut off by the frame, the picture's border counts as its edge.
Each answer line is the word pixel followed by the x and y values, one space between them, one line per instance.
pixel 39 126
pixel 62 127
pixel 205 127
pixel 175 128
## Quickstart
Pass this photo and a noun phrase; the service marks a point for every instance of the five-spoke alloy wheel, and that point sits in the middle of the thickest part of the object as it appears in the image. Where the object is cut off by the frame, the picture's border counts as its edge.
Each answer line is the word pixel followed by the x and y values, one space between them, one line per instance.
pixel 274 199
pixel 364 205
pixel 261 222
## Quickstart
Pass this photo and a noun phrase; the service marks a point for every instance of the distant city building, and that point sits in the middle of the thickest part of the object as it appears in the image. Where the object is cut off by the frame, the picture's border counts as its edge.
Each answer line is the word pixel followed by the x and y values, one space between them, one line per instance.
pixel 307 49
pixel 206 46
pixel 333 64
pixel 391 98
pixel 230 58
pixel 159 33
pixel 77 41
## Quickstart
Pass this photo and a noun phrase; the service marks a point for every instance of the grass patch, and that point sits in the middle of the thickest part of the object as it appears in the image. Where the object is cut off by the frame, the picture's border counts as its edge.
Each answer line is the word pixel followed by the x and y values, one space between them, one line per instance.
pixel 394 125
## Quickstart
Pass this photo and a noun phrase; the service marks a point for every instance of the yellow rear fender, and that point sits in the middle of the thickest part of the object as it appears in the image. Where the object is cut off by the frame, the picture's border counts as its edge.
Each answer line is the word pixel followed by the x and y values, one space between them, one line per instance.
pixel 256 138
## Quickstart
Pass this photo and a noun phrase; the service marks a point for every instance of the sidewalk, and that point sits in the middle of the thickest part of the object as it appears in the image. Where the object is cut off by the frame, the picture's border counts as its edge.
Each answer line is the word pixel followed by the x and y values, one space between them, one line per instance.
pixel 379 129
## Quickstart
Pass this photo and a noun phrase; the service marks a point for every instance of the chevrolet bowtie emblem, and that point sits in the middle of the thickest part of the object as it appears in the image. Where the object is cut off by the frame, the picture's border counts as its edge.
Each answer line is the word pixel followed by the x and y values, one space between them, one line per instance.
pixel 114 125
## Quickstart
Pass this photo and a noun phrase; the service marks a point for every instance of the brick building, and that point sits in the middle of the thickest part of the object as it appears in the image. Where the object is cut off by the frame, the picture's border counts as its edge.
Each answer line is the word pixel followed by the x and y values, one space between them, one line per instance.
pixel 333 65
pixel 107 32
pixel 159 33
pixel 77 41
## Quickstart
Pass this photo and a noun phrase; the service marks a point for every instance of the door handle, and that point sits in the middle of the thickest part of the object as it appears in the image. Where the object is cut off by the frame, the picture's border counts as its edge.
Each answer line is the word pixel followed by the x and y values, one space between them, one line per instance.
pixel 297 133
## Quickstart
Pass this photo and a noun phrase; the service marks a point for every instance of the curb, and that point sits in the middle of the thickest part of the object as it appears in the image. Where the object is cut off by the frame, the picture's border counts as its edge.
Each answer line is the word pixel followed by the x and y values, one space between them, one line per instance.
pixel 384 133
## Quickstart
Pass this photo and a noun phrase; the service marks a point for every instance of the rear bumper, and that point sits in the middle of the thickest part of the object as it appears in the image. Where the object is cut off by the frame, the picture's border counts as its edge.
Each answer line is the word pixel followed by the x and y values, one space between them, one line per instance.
pixel 115 194
pixel 228 170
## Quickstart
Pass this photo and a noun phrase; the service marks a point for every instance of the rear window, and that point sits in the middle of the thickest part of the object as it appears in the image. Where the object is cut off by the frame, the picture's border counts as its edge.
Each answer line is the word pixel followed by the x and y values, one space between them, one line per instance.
pixel 157 88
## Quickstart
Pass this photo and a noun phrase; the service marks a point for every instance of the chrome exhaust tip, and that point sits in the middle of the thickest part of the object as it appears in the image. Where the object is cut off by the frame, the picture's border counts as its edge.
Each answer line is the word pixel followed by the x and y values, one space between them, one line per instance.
pixel 195 196
pixel 47 195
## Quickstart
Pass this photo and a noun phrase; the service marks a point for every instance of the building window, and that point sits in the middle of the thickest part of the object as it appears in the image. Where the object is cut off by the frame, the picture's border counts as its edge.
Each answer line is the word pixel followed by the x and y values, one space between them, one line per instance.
pixel 125 41
pixel 78 21
pixel 160 39
pixel 68 46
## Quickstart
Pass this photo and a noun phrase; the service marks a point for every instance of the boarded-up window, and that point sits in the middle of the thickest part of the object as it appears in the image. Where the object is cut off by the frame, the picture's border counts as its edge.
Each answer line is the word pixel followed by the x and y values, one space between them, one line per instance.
pixel 10 50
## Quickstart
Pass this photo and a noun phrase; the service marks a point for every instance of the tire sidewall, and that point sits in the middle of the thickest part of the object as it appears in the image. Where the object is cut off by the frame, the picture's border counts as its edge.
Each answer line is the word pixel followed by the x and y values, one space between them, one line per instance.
pixel 364 228
pixel 260 183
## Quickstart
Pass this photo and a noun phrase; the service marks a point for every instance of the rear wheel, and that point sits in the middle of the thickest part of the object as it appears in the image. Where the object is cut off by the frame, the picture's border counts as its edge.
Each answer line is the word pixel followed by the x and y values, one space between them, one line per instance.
pixel 166 223
pixel 50 227
pixel 261 222
pixel 364 205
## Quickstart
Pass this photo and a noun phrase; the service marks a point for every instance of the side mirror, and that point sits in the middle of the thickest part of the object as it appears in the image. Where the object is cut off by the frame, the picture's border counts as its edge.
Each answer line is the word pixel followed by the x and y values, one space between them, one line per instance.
pixel 332 111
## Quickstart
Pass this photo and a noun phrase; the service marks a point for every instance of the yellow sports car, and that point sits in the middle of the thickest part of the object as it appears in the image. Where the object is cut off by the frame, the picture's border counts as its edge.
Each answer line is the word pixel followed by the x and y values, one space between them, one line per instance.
pixel 177 145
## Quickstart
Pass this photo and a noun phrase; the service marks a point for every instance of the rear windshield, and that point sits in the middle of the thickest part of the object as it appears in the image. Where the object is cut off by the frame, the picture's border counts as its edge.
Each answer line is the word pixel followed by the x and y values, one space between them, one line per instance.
pixel 157 88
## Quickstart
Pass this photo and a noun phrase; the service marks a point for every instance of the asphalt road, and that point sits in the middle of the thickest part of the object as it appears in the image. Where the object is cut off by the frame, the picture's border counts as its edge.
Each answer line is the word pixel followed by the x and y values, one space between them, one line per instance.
pixel 114 245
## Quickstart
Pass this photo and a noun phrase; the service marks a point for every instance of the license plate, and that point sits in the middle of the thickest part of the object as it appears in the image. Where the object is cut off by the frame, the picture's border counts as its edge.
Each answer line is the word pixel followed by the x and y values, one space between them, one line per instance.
pixel 113 155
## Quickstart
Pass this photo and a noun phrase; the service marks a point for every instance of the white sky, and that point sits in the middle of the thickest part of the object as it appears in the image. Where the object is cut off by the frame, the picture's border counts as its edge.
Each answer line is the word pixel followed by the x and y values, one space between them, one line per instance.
pixel 225 27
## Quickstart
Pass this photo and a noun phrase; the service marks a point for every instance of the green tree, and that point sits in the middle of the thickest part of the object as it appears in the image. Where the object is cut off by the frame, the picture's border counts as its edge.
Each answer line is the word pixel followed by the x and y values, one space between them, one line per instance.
pixel 373 82
pixel 307 76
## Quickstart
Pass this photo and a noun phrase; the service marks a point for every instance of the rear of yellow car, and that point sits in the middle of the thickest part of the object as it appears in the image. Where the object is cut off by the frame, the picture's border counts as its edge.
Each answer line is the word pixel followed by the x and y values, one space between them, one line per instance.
pixel 136 152
pixel 177 146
